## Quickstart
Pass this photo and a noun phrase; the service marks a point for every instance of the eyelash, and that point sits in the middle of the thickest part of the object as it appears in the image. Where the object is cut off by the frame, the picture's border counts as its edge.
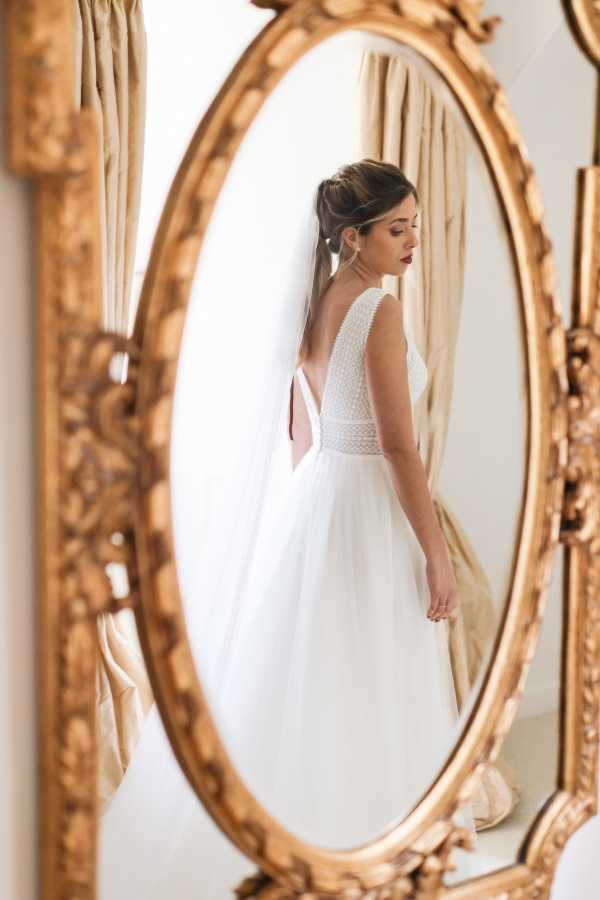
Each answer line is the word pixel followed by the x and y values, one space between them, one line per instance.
pixel 396 233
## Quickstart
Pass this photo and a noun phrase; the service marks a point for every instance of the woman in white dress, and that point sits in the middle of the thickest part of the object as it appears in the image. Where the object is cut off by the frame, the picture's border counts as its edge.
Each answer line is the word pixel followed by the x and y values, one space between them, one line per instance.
pixel 336 702
pixel 321 640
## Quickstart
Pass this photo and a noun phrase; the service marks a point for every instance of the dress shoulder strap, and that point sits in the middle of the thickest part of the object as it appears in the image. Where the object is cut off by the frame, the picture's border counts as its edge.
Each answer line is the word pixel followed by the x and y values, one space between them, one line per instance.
pixel 372 301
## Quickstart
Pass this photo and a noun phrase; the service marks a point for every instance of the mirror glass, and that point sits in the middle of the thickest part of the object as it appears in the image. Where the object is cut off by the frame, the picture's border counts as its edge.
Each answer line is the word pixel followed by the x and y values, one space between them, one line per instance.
pixel 156 840
pixel 305 588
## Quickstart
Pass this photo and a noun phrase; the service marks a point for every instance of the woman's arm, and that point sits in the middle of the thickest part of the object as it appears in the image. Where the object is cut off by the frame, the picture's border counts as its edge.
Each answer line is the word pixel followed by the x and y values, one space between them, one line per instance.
pixel 387 385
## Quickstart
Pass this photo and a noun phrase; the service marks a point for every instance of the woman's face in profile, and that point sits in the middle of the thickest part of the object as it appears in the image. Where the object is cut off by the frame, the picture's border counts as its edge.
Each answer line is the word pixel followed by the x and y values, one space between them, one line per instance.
pixel 389 246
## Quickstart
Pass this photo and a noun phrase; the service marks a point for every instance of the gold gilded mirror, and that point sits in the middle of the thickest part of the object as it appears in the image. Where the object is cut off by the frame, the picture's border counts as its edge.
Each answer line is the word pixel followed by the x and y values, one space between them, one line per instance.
pixel 342 747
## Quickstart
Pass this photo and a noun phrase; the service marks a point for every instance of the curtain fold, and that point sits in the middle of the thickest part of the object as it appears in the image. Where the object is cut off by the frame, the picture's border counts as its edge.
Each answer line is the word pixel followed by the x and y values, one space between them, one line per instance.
pixel 404 122
pixel 110 70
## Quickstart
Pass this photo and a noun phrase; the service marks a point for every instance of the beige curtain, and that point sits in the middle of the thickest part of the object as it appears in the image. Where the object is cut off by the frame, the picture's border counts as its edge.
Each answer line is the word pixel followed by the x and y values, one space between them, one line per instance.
pixel 404 122
pixel 110 55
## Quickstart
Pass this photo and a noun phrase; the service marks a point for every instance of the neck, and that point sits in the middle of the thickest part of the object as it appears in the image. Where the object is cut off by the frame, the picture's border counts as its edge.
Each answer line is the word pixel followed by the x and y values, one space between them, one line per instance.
pixel 360 274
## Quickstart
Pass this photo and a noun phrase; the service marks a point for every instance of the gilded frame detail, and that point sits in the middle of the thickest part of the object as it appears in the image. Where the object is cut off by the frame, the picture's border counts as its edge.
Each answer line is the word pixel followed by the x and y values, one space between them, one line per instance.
pixel 103 460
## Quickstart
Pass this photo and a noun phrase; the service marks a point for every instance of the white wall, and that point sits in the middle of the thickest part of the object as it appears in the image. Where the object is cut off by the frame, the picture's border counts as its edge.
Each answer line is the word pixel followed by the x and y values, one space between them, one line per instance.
pixel 186 68
pixel 17 531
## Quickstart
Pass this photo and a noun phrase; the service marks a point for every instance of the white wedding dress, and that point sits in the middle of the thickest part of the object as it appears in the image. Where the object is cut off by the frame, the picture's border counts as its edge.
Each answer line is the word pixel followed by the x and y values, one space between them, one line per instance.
pixel 336 702
pixel 334 697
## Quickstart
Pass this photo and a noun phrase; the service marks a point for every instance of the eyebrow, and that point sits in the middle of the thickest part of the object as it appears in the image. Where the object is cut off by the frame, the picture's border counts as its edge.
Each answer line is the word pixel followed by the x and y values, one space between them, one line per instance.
pixel 403 220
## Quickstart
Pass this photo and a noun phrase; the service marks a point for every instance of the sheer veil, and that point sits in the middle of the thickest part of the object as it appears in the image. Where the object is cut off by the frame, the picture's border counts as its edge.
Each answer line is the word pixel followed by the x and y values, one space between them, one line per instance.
pixel 247 480
pixel 230 469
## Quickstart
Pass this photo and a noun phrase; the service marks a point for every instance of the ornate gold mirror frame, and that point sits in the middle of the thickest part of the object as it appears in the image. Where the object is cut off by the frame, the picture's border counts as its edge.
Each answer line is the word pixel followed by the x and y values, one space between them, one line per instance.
pixel 103 459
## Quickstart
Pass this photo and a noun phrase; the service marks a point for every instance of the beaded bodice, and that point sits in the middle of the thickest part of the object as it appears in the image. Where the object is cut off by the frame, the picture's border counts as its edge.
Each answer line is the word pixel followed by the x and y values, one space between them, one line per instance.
pixel 345 422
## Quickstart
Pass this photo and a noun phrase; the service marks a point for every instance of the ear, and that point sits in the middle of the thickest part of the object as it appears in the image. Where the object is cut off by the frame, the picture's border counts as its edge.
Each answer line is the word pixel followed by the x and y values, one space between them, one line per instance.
pixel 350 237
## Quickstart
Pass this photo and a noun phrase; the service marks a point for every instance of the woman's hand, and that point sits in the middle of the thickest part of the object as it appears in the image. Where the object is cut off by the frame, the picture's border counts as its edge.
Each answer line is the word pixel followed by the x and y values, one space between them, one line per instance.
pixel 442 587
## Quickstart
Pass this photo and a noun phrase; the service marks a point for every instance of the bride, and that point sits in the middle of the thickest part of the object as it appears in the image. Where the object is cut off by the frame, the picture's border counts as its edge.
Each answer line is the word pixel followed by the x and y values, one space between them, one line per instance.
pixel 336 702
pixel 321 633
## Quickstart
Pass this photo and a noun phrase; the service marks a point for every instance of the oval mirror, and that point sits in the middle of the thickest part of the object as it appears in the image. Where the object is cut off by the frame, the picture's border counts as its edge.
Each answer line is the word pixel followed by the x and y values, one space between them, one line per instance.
pixel 295 547
pixel 304 586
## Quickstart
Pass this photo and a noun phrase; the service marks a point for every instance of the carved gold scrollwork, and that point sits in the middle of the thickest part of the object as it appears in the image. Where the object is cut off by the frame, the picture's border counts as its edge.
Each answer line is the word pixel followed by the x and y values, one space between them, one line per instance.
pixel 86 433
pixel 87 455
pixel 581 511
pixel 580 532
pixel 40 37
pixel 466 12
pixel 584 18
pixel 100 464
pixel 423 879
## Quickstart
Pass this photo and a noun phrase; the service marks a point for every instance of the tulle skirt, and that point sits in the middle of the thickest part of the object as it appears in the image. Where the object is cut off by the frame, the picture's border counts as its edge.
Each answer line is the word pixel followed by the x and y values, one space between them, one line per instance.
pixel 332 691
pixel 336 700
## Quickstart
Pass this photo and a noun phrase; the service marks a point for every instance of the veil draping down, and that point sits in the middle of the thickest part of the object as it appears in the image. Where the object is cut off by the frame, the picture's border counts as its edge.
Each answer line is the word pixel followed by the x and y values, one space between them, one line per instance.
pixel 156 838
pixel 334 700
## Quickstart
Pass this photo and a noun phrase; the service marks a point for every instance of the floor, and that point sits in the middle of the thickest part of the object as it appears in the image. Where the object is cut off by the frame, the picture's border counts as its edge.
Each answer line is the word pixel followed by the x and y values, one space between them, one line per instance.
pixel 531 749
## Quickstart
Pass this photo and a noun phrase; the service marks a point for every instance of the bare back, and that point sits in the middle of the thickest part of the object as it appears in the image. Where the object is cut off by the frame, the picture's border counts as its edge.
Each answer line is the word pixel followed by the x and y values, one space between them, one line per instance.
pixel 335 303
pixel 335 306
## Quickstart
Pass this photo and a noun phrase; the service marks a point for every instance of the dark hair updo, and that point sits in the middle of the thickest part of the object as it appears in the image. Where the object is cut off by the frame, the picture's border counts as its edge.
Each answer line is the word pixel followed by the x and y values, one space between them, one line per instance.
pixel 357 195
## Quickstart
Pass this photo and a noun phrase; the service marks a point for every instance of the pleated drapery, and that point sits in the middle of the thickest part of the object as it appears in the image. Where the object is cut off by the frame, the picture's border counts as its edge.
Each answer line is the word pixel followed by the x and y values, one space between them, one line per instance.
pixel 404 122
pixel 110 68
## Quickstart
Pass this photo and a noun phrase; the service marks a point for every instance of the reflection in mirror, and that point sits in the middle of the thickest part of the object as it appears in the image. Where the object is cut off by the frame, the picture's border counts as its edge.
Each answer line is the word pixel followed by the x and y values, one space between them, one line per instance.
pixel 531 749
pixel 325 676
pixel 309 577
